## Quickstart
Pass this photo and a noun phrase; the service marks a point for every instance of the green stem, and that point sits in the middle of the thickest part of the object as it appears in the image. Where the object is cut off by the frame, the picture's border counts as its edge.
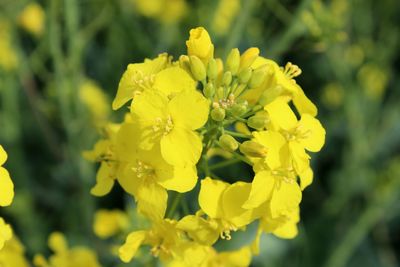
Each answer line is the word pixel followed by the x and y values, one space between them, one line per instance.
pixel 174 205
pixel 223 164
pixel 238 134
pixel 242 158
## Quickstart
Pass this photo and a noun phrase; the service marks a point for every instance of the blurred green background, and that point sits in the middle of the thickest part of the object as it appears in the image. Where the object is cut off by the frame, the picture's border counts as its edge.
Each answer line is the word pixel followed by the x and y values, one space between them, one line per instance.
pixel 59 57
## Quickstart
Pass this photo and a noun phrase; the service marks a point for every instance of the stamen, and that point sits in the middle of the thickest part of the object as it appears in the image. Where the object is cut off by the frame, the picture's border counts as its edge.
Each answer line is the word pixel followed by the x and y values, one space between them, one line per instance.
pixel 291 70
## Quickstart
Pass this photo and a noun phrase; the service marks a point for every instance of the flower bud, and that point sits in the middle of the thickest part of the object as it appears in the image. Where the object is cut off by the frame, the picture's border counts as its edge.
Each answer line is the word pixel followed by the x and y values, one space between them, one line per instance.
pixel 245 75
pixel 239 109
pixel 248 57
pixel 184 63
pixel 212 69
pixel 227 78
pixel 209 90
pixel 258 77
pixel 199 44
pixel 220 92
pixel 233 61
pixel 218 114
pixel 257 122
pixel 228 143
pixel 253 149
pixel 197 68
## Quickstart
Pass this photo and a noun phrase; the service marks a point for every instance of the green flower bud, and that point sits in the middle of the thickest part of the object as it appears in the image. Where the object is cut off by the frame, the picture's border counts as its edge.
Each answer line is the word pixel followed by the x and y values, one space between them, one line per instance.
pixel 212 69
pixel 197 68
pixel 257 122
pixel 184 63
pixel 228 143
pixel 220 92
pixel 239 109
pixel 253 149
pixel 258 77
pixel 248 57
pixel 209 90
pixel 233 61
pixel 245 75
pixel 227 78
pixel 264 99
pixel 218 114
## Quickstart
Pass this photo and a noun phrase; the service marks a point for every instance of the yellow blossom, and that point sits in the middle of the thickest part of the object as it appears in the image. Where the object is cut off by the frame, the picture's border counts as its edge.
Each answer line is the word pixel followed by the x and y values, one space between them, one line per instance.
pixel 171 123
pixel 109 222
pixel 12 254
pixel 96 101
pixel 32 19
pixel 7 186
pixel 66 257
pixel 5 232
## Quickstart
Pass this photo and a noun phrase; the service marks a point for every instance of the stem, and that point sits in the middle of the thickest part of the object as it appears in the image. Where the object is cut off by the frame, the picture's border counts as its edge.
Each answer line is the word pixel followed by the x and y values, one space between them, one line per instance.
pixel 238 134
pixel 174 205
pixel 224 164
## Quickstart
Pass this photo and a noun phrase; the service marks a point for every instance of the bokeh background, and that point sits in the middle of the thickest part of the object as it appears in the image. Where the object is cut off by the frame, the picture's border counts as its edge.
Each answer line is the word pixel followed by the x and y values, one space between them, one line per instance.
pixel 60 64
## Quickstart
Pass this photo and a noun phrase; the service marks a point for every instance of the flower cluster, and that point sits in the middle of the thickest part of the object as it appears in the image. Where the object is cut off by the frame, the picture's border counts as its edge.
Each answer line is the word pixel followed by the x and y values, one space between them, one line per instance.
pixel 181 114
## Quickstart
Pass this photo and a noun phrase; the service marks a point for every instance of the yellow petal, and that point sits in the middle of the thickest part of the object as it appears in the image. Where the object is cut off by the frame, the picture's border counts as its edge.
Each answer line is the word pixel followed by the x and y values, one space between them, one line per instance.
pixel 152 200
pixel 301 160
pixel 315 133
pixel 57 242
pixel 180 179
pixel 285 198
pixel 189 109
pixel 6 188
pixel 199 229
pixel 306 178
pixel 274 142
pixel 233 199
pixel 128 250
pixel 3 155
pixel 5 232
pixel 237 258
pixel 261 190
pixel 173 80
pixel 303 104
pixel 281 114
pixel 210 197
pixel 104 180
pixel 181 147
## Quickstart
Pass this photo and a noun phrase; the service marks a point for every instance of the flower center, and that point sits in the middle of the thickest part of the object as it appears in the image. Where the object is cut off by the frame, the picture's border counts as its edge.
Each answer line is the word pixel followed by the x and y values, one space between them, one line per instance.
pixel 163 125
pixel 143 170
pixel 141 81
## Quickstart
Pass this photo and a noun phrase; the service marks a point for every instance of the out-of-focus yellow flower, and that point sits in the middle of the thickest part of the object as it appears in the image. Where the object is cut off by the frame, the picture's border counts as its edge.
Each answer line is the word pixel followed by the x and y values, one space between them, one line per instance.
pixel 96 101
pixel 167 11
pixel 8 56
pixel 65 256
pixel 373 80
pixel 12 255
pixel 5 232
pixel 108 223
pixel 332 95
pixel 224 15
pixel 32 19
pixel 200 45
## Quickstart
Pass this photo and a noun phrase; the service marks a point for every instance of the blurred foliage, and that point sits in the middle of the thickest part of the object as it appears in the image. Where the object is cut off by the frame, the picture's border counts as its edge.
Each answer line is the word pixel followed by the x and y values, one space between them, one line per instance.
pixel 60 63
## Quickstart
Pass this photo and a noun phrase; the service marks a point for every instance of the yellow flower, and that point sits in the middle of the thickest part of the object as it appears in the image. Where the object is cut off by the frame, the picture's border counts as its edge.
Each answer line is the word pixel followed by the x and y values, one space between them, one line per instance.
pixel 307 133
pixel 224 15
pixel 5 232
pixel 104 152
pixel 223 202
pixel 199 44
pixel 65 256
pixel 96 101
pixel 137 78
pixel 146 175
pixel 8 55
pixel 7 186
pixel 163 238
pixel 171 123
pixel 12 254
pixel 280 83
pixel 32 19
pixel 109 222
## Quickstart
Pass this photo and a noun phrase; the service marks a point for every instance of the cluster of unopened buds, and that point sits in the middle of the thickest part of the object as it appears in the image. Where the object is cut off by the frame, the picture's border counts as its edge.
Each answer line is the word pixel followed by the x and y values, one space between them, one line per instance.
pixel 190 117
